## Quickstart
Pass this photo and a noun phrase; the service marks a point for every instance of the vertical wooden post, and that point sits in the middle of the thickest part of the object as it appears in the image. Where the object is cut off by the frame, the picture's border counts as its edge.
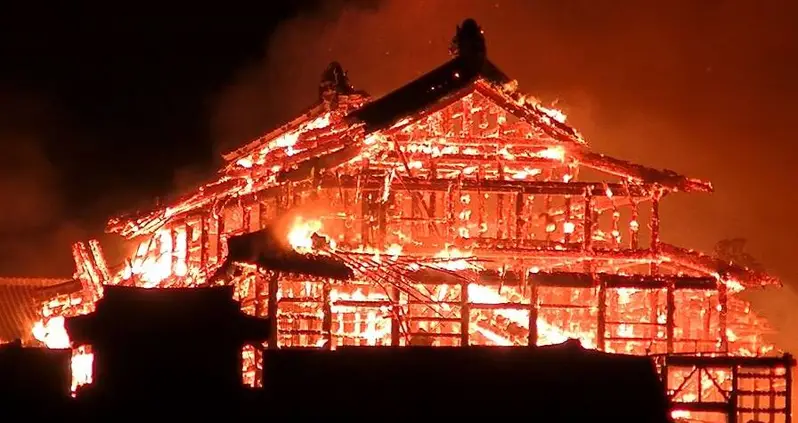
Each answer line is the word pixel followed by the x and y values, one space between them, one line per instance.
pixel 519 218
pixel 533 307
pixel 723 300
pixel 465 314
pixel 634 231
pixel 280 200
pixel 654 224
pixel 173 233
pixel 587 242
pixel 500 220
pixel 601 326
pixel 220 237
pixel 295 199
pixel 481 213
pixel 350 217
pixel 258 347
pixel 451 212
pixel 204 240
pixel 732 413
pixel 547 207
pixel 415 206
pixel 601 295
pixel 326 322
pixel 246 218
pixel 263 214
pixel 433 201
pixel 274 287
pixel 365 219
pixel 788 368
pixel 382 221
pixel 772 394
pixel 189 238
pixel 396 316
pixel 670 315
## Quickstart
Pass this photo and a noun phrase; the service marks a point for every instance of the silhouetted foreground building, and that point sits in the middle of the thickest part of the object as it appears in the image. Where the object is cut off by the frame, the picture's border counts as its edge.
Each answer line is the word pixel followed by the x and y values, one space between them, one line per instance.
pixel 177 352
pixel 34 380
pixel 173 349
pixel 554 383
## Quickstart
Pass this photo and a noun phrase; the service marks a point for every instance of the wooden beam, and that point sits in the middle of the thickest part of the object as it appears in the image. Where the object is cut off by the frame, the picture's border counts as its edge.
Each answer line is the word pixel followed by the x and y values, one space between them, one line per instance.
pixel 492 186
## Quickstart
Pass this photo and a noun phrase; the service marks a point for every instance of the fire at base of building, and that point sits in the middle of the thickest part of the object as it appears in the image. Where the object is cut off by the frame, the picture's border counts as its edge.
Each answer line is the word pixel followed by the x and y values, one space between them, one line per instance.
pixel 452 211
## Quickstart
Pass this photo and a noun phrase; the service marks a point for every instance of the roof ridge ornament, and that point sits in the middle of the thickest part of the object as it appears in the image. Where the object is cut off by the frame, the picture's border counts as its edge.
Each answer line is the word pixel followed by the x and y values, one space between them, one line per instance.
pixel 334 82
pixel 469 42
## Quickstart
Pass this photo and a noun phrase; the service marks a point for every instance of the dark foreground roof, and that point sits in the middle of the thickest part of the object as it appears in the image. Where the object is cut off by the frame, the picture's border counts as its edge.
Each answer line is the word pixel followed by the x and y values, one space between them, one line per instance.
pixel 556 383
pixel 35 381
pixel 140 315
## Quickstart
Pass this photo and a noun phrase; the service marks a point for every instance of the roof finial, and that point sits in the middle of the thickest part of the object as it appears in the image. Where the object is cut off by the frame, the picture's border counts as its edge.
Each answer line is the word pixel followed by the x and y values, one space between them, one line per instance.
pixel 469 41
pixel 334 82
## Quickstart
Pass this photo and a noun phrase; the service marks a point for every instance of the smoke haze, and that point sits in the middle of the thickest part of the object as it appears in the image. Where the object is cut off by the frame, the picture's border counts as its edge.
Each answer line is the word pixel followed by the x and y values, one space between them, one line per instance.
pixel 32 222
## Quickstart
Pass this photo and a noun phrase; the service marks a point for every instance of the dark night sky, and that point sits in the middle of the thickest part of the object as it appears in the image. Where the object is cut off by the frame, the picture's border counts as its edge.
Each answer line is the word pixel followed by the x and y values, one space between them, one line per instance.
pixel 99 115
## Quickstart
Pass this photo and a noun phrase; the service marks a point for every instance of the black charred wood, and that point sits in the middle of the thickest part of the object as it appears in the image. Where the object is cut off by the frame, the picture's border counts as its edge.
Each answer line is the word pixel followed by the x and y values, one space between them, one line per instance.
pixel 334 83
pixel 469 42
pixel 306 264
pixel 263 249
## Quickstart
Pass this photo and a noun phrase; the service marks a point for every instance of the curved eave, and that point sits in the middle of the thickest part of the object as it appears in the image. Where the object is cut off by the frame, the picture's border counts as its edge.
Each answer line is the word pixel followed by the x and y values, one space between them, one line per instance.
pixel 147 222
pixel 346 103
pixel 728 273
pixel 311 113
pixel 643 174
pixel 326 154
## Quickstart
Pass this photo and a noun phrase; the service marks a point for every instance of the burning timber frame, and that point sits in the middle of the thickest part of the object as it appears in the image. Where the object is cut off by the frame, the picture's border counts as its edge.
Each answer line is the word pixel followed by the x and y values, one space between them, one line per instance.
pixel 460 207
pixel 759 388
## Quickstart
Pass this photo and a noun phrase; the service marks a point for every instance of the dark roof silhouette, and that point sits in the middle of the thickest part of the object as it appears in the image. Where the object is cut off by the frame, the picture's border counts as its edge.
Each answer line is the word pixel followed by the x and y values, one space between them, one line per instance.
pixel 563 381
pixel 35 381
pixel 418 95
pixel 126 312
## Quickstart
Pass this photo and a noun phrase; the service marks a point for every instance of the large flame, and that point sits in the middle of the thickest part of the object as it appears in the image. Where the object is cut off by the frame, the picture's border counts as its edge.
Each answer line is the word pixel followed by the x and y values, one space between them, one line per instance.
pixel 53 335
pixel 300 236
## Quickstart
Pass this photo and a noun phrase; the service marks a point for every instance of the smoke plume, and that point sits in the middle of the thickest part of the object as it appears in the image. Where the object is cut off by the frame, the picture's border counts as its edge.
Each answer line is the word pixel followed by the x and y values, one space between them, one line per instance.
pixel 34 233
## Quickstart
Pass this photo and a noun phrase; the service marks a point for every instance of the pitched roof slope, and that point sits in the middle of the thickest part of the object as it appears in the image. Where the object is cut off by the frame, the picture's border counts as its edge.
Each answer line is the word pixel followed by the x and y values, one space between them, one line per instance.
pixel 449 78
pixel 21 300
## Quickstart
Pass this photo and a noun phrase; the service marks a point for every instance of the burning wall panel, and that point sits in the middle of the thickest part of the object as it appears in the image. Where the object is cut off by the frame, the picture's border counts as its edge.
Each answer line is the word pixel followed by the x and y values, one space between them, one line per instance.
pixel 636 320
pixel 697 322
pixel 438 322
pixel 718 388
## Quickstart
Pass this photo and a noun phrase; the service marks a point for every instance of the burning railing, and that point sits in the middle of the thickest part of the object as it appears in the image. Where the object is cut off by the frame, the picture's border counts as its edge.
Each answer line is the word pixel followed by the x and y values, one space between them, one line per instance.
pixel 464 225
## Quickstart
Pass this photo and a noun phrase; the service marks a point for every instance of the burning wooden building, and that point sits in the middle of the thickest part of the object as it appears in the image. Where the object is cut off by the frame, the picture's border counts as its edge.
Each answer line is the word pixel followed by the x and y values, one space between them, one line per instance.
pixel 453 211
